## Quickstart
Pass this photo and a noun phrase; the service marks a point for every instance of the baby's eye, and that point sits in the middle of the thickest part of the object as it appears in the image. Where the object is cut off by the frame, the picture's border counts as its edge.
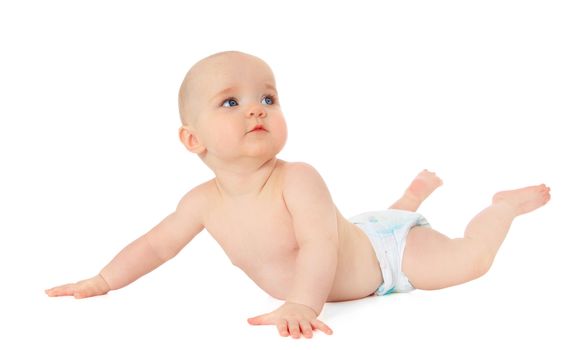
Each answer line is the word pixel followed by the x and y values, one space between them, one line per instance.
pixel 269 100
pixel 230 102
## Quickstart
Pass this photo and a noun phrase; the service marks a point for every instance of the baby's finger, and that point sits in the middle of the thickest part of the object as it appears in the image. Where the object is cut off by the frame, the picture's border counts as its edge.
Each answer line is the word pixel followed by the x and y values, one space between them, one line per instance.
pixel 282 328
pixel 294 328
pixel 306 328
pixel 321 326
pixel 53 291
pixel 64 290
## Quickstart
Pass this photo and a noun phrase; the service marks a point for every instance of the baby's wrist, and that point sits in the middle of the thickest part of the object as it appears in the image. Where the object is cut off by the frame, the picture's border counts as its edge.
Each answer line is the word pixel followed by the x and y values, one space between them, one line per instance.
pixel 304 305
pixel 100 279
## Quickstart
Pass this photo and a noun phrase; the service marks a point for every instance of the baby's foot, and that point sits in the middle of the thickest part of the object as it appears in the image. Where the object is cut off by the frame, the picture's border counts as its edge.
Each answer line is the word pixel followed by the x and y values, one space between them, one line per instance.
pixel 524 200
pixel 423 185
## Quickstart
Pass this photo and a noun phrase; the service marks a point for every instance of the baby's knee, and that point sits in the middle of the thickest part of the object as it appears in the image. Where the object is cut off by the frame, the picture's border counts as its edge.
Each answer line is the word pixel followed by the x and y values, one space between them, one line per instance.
pixel 480 258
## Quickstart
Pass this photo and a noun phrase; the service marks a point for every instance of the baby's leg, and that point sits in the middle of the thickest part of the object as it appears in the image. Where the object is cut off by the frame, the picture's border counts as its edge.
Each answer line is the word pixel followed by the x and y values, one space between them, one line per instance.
pixel 434 261
pixel 421 187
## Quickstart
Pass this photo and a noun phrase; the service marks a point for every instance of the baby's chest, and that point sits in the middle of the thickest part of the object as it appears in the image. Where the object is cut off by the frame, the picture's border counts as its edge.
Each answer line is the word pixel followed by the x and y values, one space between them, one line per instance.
pixel 253 236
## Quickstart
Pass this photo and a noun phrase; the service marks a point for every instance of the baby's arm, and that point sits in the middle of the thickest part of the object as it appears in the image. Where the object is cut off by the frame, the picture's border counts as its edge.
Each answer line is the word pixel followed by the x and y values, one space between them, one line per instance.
pixel 146 253
pixel 315 226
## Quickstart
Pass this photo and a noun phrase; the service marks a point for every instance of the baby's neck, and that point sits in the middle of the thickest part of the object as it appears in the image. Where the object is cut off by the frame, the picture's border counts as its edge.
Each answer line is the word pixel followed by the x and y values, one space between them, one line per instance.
pixel 237 182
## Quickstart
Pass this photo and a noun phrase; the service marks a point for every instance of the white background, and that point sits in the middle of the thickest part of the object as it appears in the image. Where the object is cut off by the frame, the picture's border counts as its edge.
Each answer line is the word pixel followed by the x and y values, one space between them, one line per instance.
pixel 486 94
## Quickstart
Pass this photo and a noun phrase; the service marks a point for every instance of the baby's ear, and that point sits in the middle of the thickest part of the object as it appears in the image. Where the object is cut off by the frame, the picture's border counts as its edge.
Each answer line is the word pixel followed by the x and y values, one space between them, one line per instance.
pixel 190 140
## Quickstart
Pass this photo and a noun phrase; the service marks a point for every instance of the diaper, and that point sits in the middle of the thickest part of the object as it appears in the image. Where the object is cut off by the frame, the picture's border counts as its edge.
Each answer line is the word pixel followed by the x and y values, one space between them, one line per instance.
pixel 387 231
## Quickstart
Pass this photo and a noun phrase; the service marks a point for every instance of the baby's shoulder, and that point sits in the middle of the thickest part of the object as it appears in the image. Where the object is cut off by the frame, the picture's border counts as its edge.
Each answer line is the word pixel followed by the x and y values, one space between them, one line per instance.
pixel 296 168
pixel 294 172
pixel 199 196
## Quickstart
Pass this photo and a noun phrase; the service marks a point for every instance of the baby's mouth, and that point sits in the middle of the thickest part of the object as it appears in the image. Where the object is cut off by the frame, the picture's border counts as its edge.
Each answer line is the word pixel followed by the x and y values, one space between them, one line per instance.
pixel 258 128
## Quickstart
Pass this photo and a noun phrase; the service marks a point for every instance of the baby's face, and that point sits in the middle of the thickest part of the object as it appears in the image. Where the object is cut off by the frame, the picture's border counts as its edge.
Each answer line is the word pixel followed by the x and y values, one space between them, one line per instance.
pixel 230 95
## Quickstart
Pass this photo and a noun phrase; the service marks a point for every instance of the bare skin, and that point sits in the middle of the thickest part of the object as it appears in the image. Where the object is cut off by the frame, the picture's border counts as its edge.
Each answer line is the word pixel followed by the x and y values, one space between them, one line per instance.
pixel 420 188
pixel 276 220
pixel 431 260
pixel 356 246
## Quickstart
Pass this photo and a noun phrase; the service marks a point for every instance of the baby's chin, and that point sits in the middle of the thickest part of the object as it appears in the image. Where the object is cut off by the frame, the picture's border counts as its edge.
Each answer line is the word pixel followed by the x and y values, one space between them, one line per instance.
pixel 267 143
pixel 263 154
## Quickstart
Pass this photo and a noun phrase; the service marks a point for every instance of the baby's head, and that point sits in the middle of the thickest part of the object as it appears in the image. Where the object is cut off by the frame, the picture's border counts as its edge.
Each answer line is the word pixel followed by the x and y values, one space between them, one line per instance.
pixel 221 100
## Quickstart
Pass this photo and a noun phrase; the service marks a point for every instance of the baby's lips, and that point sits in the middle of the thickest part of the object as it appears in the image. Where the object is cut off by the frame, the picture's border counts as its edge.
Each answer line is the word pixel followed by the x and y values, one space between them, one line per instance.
pixel 258 127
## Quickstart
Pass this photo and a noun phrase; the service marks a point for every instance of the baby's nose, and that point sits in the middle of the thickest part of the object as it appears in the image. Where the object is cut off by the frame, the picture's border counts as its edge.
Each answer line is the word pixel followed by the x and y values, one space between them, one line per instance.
pixel 256 112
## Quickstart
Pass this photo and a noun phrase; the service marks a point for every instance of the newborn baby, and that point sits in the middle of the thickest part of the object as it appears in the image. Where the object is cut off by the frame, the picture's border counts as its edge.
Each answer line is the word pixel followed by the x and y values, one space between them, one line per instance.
pixel 277 222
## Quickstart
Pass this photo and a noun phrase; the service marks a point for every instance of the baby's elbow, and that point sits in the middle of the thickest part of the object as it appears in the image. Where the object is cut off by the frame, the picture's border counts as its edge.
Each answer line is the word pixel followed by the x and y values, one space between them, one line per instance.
pixel 167 253
pixel 162 252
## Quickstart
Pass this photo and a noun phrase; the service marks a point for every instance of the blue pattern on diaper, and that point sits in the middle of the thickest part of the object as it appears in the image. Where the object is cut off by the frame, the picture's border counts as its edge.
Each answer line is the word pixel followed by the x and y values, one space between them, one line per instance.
pixel 383 229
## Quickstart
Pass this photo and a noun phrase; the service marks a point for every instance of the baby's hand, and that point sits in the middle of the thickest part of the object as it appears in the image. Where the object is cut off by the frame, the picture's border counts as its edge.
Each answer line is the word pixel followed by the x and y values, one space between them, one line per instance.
pixel 82 289
pixel 291 318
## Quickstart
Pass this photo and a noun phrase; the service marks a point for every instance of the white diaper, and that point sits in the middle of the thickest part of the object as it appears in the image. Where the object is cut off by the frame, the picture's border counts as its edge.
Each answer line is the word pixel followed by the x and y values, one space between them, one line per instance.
pixel 387 231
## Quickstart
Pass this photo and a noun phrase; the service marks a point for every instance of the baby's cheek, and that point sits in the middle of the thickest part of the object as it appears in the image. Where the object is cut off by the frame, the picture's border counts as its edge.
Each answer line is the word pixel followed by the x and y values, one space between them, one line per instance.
pixel 280 129
pixel 224 138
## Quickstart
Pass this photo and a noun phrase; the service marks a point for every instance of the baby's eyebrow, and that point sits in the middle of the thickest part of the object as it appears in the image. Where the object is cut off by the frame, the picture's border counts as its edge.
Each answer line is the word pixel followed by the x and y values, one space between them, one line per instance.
pixel 233 89
pixel 224 91
pixel 269 86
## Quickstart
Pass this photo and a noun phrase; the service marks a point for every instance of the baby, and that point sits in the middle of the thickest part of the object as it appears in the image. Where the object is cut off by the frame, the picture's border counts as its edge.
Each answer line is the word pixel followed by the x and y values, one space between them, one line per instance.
pixel 277 222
